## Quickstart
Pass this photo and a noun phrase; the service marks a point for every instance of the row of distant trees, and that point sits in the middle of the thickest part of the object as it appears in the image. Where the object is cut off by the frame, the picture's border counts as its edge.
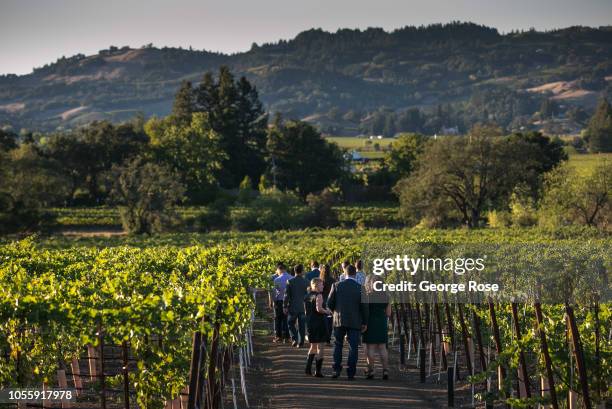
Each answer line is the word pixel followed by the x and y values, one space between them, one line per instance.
pixel 216 137
pixel 218 147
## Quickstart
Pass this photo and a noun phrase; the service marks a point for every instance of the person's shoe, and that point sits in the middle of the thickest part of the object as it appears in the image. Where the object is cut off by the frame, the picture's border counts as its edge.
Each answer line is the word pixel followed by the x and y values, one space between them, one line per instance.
pixel 294 344
pixel 385 374
pixel 319 365
pixel 276 340
pixel 301 345
pixel 308 370
pixel 369 373
pixel 336 374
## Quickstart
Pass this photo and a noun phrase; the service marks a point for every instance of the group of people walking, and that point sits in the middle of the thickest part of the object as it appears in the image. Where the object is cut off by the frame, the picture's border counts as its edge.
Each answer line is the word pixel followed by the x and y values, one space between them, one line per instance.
pixel 317 305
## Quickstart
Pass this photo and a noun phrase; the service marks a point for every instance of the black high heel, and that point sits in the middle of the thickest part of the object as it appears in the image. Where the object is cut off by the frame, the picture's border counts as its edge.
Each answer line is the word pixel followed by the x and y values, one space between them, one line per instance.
pixel 385 375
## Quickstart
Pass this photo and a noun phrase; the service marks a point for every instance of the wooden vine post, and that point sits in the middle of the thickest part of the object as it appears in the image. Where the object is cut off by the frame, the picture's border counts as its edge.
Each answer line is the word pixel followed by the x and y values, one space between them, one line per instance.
pixel 441 335
pixel 465 335
pixel 126 378
pixel 546 354
pixel 498 345
pixel 522 362
pixel 102 376
pixel 212 395
pixel 194 369
pixel 578 355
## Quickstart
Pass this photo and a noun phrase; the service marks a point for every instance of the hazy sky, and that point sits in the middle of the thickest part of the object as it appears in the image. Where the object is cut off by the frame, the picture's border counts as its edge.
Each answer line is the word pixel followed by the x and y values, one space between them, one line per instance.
pixel 35 32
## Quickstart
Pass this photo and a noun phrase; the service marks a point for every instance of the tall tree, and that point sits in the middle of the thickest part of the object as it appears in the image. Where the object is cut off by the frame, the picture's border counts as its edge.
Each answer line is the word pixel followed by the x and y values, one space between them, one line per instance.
pixel 184 103
pixel 237 115
pixel 599 131
pixel 301 159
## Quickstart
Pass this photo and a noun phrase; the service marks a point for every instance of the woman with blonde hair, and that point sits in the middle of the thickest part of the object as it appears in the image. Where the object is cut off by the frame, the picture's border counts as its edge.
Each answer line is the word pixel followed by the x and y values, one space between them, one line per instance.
pixel 318 335
pixel 376 336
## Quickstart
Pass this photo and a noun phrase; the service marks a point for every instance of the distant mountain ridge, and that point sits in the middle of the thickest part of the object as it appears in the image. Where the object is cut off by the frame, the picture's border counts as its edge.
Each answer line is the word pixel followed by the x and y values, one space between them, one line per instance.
pixel 456 74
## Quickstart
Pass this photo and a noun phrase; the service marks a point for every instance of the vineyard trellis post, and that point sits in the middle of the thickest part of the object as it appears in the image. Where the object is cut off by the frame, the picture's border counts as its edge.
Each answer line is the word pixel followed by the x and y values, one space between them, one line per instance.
pixel 578 354
pixel 545 353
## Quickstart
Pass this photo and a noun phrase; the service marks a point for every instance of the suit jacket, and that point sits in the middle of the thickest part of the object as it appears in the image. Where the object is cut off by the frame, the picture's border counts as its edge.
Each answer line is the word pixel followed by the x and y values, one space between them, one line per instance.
pixel 345 301
pixel 294 295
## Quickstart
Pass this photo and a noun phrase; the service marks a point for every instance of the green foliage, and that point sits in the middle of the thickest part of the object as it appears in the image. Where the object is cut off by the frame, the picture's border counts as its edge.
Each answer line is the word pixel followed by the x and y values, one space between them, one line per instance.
pixel 184 104
pixel 146 193
pixel 84 155
pixel 599 131
pixel 193 151
pixel 271 210
pixel 402 157
pixel 53 304
pixel 321 211
pixel 301 159
pixel 237 115
pixel 570 197
pixel 28 184
pixel 246 193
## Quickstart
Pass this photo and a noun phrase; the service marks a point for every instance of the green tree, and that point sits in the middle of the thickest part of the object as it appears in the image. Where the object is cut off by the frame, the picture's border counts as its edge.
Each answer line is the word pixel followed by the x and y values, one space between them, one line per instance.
pixel 540 154
pixel 572 198
pixel 87 153
pixel 461 175
pixel 146 194
pixel 301 159
pixel 599 131
pixel 184 104
pixel 28 184
pixel 238 116
pixel 193 151
pixel 401 159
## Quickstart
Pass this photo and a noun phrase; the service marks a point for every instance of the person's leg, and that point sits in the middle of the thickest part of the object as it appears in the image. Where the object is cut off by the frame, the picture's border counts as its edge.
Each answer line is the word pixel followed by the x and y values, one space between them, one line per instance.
pixel 369 350
pixel 311 356
pixel 285 325
pixel 302 327
pixel 339 333
pixel 291 318
pixel 279 315
pixel 384 359
pixel 353 340
pixel 319 361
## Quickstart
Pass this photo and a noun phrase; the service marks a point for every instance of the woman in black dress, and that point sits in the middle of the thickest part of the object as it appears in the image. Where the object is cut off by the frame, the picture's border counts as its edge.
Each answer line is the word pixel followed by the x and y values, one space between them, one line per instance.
pixel 328 281
pixel 315 323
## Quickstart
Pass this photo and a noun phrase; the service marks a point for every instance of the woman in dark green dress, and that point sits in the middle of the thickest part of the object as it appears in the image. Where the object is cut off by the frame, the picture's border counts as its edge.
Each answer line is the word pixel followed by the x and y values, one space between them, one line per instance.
pixel 377 335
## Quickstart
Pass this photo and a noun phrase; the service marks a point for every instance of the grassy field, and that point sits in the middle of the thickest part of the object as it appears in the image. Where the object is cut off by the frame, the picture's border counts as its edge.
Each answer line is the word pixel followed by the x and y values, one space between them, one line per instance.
pixel 584 162
pixel 362 145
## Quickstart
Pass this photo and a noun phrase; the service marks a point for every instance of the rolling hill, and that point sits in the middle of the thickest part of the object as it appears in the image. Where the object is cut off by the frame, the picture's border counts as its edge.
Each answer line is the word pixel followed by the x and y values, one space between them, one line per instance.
pixel 346 82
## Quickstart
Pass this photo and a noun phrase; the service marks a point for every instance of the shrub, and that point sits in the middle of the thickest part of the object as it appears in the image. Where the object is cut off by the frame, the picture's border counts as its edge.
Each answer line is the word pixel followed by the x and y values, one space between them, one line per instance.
pixel 320 209
pixel 499 219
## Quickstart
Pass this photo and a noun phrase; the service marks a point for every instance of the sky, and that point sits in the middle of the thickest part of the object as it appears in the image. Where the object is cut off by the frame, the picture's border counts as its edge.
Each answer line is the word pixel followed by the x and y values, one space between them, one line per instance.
pixel 37 32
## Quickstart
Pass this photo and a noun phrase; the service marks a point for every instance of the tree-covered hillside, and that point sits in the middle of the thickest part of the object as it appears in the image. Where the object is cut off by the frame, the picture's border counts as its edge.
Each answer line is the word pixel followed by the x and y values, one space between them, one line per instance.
pixel 433 79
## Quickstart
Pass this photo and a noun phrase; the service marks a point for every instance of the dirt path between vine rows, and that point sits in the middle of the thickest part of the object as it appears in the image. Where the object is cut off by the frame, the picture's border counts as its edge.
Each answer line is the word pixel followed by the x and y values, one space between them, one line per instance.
pixel 276 379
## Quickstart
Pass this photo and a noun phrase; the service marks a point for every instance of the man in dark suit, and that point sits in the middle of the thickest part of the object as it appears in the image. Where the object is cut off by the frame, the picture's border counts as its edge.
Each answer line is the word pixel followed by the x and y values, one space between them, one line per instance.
pixel 350 319
pixel 294 305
